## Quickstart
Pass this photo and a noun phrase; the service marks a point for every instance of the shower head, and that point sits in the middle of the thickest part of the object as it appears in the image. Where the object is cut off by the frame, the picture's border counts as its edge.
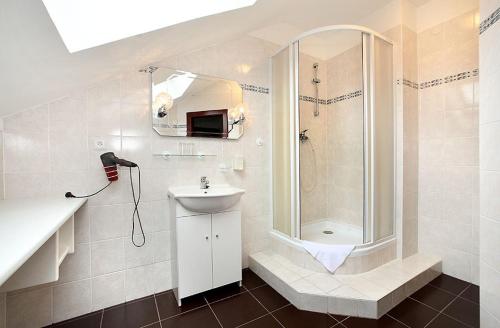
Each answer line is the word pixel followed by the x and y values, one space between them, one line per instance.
pixel 315 79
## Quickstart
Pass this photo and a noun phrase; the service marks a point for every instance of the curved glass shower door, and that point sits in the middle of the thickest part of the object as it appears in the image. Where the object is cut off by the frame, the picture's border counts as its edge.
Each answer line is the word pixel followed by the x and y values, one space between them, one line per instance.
pixel 334 137
pixel 282 162
pixel 331 137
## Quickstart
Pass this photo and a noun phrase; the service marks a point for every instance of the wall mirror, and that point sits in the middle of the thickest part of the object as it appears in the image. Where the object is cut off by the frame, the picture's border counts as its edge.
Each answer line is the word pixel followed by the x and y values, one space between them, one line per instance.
pixel 186 104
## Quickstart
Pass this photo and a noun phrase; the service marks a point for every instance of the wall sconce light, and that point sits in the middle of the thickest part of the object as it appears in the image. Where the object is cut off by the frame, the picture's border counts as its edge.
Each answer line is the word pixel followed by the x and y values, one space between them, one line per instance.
pixel 239 114
pixel 162 104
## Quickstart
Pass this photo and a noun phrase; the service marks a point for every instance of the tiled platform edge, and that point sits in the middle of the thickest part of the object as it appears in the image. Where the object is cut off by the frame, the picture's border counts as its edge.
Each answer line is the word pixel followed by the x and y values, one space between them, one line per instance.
pixel 368 295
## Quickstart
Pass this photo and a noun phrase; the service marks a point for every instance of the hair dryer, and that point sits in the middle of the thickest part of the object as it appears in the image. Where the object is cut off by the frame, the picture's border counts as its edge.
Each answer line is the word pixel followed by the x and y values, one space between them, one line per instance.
pixel 109 161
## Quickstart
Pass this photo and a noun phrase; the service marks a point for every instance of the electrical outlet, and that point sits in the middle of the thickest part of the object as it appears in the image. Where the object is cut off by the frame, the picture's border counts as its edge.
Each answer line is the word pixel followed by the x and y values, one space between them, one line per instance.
pixel 99 144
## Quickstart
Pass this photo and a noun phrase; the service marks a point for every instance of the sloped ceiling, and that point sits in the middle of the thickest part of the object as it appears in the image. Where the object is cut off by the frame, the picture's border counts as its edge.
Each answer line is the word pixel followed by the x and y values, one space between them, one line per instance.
pixel 35 66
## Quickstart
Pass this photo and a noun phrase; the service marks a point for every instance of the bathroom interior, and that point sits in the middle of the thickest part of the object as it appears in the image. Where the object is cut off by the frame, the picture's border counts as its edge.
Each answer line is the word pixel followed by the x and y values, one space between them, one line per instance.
pixel 249 163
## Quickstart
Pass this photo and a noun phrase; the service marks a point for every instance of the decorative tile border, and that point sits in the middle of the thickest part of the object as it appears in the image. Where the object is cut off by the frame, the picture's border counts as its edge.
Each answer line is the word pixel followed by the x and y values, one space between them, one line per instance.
pixel 347 96
pixel 489 21
pixel 254 88
pixel 449 79
pixel 407 83
pixel 312 99
pixel 335 100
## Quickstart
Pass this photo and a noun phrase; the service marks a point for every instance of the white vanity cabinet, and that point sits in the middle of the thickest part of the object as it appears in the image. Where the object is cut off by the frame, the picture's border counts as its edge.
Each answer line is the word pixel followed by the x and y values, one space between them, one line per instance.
pixel 206 249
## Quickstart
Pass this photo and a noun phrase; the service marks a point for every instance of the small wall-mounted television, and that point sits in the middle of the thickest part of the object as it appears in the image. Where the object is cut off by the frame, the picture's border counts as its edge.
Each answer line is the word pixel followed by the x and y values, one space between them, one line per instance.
pixel 209 124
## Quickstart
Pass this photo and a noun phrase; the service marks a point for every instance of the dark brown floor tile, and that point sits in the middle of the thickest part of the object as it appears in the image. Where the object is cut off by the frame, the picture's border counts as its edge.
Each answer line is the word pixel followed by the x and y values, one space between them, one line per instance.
pixel 251 280
pixel 434 297
pixel 412 313
pixel 91 320
pixel 131 315
pixel 338 317
pixel 471 294
pixel 202 317
pixel 270 298
pixel 167 304
pixel 153 325
pixel 464 311
pixel 291 317
pixel 444 321
pixel 217 294
pixel 265 322
pixel 450 284
pixel 238 310
pixel 385 321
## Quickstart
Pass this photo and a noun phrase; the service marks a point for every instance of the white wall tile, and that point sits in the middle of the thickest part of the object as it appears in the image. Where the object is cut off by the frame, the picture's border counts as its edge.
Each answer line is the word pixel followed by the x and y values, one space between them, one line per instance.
pixel 82 224
pixel 72 299
pixel 108 290
pixel 107 222
pixel 32 308
pixel 139 282
pixel 107 256
pixel 75 266
pixel 449 146
pixel 162 276
pixel 138 256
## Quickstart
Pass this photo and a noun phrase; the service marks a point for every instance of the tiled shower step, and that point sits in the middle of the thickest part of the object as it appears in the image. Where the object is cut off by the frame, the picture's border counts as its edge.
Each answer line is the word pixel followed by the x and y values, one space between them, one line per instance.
pixel 369 295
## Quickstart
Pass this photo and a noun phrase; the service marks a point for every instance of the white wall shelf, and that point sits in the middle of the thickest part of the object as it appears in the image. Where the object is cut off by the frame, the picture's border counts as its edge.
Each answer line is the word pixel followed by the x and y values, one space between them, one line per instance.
pixel 39 234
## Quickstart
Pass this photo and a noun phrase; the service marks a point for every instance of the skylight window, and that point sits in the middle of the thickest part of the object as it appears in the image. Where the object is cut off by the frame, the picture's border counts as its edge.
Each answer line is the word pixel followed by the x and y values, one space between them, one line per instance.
pixel 176 85
pixel 84 24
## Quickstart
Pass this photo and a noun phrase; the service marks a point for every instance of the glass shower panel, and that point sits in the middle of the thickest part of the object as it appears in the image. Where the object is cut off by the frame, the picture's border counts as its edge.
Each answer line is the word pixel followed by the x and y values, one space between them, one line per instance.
pixel 330 88
pixel 281 116
pixel 384 141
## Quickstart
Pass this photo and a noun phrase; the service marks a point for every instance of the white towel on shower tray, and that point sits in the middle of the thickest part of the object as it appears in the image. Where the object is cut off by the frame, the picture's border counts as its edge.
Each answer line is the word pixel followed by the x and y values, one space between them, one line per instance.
pixel 331 256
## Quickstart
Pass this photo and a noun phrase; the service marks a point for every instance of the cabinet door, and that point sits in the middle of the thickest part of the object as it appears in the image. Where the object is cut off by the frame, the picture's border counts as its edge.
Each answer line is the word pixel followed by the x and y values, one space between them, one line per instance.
pixel 226 248
pixel 194 252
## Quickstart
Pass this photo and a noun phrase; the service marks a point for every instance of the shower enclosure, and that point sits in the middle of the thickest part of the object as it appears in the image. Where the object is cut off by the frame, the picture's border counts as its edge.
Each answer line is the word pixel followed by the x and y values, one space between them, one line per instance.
pixel 334 137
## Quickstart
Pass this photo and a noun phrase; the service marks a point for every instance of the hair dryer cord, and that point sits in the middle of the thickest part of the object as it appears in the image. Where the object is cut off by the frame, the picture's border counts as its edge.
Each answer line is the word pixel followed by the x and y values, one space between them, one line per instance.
pixel 136 209
pixel 70 195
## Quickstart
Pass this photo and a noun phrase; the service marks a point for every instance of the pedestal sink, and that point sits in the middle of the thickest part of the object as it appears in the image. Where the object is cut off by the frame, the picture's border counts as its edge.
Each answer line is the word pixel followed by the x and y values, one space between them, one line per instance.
pixel 217 198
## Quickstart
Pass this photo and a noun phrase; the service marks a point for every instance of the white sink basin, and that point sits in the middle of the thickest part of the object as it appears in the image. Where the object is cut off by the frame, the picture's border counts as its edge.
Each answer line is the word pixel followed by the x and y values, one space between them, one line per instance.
pixel 217 198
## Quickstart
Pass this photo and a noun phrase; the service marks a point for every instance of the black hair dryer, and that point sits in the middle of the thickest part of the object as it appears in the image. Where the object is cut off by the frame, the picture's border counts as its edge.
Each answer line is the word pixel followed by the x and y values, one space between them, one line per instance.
pixel 109 161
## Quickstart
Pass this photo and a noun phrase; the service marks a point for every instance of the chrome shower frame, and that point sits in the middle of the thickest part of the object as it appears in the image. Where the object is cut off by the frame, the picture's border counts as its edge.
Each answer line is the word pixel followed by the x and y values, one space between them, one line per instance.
pixel 368 37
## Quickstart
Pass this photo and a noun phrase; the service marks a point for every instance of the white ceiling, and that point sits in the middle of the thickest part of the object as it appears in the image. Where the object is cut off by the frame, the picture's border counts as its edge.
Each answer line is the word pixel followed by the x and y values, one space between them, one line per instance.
pixel 36 67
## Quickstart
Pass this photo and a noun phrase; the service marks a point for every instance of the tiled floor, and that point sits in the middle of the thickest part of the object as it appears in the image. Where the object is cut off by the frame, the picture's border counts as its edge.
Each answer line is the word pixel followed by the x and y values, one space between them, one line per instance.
pixel 445 302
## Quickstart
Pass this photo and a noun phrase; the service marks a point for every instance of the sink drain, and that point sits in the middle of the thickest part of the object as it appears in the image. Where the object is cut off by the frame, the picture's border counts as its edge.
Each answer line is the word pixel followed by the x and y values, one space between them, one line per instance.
pixel 328 232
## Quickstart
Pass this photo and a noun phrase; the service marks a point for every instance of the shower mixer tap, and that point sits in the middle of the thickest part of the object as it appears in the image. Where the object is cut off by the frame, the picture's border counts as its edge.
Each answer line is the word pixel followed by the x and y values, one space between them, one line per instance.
pixel 303 136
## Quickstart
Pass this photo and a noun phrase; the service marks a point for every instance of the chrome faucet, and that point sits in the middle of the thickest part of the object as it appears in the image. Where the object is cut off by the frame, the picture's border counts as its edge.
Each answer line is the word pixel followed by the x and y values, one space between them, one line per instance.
pixel 204 183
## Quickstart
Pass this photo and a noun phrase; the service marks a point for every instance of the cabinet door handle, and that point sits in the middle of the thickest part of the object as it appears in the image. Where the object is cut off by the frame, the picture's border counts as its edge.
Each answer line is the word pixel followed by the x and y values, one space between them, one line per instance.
pixel 206 237
pixel 216 236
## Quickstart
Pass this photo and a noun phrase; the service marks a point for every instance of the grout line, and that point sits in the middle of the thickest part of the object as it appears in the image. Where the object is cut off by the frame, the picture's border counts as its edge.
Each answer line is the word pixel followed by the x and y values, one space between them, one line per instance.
pixel 227 297
pixel 284 306
pixel 441 312
pixel 331 315
pixel 213 312
pixel 102 318
pixel 157 311
pixel 404 324
pixel 254 287
pixel 187 311
pixel 444 290
pixel 268 312
pixel 467 298
pixel 262 316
